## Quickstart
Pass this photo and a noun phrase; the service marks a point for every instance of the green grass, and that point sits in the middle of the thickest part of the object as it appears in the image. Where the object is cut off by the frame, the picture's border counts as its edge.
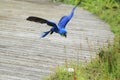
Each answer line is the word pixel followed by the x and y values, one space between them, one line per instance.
pixel 106 65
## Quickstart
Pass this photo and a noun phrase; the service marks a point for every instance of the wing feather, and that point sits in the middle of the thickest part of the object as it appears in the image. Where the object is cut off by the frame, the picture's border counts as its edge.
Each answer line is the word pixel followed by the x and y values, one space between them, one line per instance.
pixel 42 21
pixel 63 21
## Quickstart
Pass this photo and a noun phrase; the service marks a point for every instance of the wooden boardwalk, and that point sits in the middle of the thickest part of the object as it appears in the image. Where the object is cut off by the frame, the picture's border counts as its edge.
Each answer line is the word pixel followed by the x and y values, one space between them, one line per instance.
pixel 24 56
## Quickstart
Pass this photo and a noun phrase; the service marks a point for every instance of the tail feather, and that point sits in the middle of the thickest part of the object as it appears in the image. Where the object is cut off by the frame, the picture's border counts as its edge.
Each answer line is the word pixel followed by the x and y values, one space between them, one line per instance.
pixel 44 34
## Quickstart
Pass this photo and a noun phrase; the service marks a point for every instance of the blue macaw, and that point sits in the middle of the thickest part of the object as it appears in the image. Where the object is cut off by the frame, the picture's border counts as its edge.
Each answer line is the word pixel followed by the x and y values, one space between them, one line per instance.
pixel 60 28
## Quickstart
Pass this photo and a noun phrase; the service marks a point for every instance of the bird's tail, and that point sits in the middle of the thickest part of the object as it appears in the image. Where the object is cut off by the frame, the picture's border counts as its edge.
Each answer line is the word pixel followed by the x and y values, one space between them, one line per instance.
pixel 45 34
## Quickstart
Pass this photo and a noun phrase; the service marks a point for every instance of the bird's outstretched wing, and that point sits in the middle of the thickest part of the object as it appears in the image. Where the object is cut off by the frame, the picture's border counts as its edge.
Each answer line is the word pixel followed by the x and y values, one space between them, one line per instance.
pixel 65 19
pixel 42 21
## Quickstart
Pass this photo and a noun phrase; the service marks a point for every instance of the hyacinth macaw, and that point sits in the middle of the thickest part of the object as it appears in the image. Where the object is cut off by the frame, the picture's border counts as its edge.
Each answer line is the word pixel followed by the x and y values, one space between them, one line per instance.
pixel 60 28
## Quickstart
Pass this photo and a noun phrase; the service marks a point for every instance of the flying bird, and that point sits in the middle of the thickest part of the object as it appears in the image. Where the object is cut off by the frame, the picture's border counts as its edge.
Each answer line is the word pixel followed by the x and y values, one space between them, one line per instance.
pixel 57 28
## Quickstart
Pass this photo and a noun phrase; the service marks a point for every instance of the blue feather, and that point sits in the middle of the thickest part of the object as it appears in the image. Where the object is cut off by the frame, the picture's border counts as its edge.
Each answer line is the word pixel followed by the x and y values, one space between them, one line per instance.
pixel 44 34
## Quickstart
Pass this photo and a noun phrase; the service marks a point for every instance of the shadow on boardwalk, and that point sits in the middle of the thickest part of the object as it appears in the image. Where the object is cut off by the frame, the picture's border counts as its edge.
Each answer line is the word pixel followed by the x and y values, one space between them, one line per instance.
pixel 24 56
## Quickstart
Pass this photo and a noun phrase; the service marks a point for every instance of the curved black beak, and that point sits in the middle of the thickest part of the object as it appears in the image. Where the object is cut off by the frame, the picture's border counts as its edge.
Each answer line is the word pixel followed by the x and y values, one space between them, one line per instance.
pixel 65 35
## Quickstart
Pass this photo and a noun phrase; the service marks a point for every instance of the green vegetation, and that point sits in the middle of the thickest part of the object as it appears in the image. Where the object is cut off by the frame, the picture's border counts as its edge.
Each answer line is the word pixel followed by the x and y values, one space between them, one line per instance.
pixel 106 65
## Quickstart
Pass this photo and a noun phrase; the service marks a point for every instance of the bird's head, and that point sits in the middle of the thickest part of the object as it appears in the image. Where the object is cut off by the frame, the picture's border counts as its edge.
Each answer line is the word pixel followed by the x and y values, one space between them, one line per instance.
pixel 63 32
